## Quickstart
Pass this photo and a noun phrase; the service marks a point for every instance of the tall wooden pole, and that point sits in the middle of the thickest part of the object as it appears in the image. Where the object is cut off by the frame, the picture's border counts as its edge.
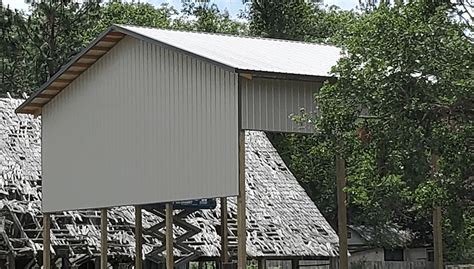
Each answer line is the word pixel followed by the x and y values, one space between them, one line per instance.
pixel 341 211
pixel 241 219
pixel 437 223
pixel 169 236
pixel 103 238
pixel 46 241
pixel 138 237
pixel 224 236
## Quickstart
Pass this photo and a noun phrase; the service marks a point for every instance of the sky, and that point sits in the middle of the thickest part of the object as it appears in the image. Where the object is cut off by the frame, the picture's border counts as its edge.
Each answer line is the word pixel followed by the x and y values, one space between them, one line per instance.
pixel 233 6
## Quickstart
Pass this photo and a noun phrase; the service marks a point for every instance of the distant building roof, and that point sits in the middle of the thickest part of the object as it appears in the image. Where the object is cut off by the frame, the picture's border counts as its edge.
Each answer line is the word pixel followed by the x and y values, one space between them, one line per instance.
pixel 388 236
pixel 281 218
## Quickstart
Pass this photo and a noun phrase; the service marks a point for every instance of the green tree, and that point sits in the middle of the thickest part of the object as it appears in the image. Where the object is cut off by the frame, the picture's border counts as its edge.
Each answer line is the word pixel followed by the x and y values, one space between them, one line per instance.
pixel 296 20
pixel 38 44
pixel 411 72
pixel 140 14
pixel 208 18
pixel 13 68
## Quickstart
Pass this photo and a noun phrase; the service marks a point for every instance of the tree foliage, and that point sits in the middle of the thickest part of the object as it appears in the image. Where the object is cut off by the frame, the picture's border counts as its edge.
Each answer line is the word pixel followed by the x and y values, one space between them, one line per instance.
pixel 404 91
pixel 410 72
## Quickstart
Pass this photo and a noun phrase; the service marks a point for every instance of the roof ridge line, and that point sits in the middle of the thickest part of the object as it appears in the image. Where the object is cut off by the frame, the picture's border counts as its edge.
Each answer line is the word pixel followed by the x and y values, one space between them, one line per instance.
pixel 227 35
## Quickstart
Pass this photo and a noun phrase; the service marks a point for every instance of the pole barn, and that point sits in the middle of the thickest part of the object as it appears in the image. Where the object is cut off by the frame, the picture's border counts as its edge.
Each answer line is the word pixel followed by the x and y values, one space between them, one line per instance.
pixel 144 116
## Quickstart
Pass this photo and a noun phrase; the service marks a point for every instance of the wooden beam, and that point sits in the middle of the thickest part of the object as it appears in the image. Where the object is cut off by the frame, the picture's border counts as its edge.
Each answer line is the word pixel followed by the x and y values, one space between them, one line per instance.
pixel 295 263
pixel 247 76
pixel 341 211
pixel 36 105
pixel 138 237
pixel 241 218
pixel 224 235
pixel 54 88
pixel 100 48
pixel 62 81
pixel 111 39
pixel 37 112
pixel 169 236
pixel 81 65
pixel 437 223
pixel 438 238
pixel 46 241
pixel 91 57
pixel 103 238
pixel 115 34
pixel 72 73
pixel 45 95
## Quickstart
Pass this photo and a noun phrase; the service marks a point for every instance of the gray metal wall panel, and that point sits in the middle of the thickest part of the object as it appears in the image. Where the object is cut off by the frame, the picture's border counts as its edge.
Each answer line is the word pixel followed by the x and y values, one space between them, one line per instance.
pixel 267 104
pixel 144 124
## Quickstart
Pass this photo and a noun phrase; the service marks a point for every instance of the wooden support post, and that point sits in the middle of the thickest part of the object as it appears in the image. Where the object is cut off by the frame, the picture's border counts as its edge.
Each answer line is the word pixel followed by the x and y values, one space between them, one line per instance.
pixel 341 211
pixel 438 238
pixel 437 223
pixel 10 262
pixel 241 218
pixel 46 241
pixel 169 236
pixel 224 236
pixel 295 264
pixel 103 238
pixel 138 237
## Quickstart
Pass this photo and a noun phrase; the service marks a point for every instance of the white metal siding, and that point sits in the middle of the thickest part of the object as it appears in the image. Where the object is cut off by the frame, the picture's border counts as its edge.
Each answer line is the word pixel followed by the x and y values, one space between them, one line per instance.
pixel 144 124
pixel 267 104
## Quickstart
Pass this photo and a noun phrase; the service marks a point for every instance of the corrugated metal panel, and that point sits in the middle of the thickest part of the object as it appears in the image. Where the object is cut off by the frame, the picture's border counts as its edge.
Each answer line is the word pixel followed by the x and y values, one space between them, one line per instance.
pixel 245 53
pixel 144 124
pixel 267 104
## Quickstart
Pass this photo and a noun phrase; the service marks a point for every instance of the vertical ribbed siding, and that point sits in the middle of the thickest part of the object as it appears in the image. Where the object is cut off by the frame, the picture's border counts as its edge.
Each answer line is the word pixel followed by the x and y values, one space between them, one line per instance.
pixel 267 104
pixel 144 124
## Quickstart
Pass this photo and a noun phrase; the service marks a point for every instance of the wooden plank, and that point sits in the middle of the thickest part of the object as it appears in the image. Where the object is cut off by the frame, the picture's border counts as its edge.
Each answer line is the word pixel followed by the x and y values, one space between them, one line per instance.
pixel 247 76
pixel 72 73
pixel 241 204
pixel 111 39
pixel 103 238
pixel 169 236
pixel 224 235
pixel 46 241
pixel 67 81
pixel 53 88
pixel 81 65
pixel 45 96
pixel 437 222
pixel 138 237
pixel 100 48
pixel 35 105
pixel 115 34
pixel 341 211
pixel 90 57
pixel 295 264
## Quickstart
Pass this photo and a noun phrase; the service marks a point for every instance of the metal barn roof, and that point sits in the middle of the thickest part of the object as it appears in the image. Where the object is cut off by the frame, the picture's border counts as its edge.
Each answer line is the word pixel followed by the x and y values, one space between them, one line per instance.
pixel 247 54
pixel 244 55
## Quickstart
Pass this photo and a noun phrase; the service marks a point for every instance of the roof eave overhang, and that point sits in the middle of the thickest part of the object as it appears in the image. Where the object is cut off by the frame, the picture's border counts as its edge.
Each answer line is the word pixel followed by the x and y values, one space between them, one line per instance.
pixel 64 76
pixel 288 76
